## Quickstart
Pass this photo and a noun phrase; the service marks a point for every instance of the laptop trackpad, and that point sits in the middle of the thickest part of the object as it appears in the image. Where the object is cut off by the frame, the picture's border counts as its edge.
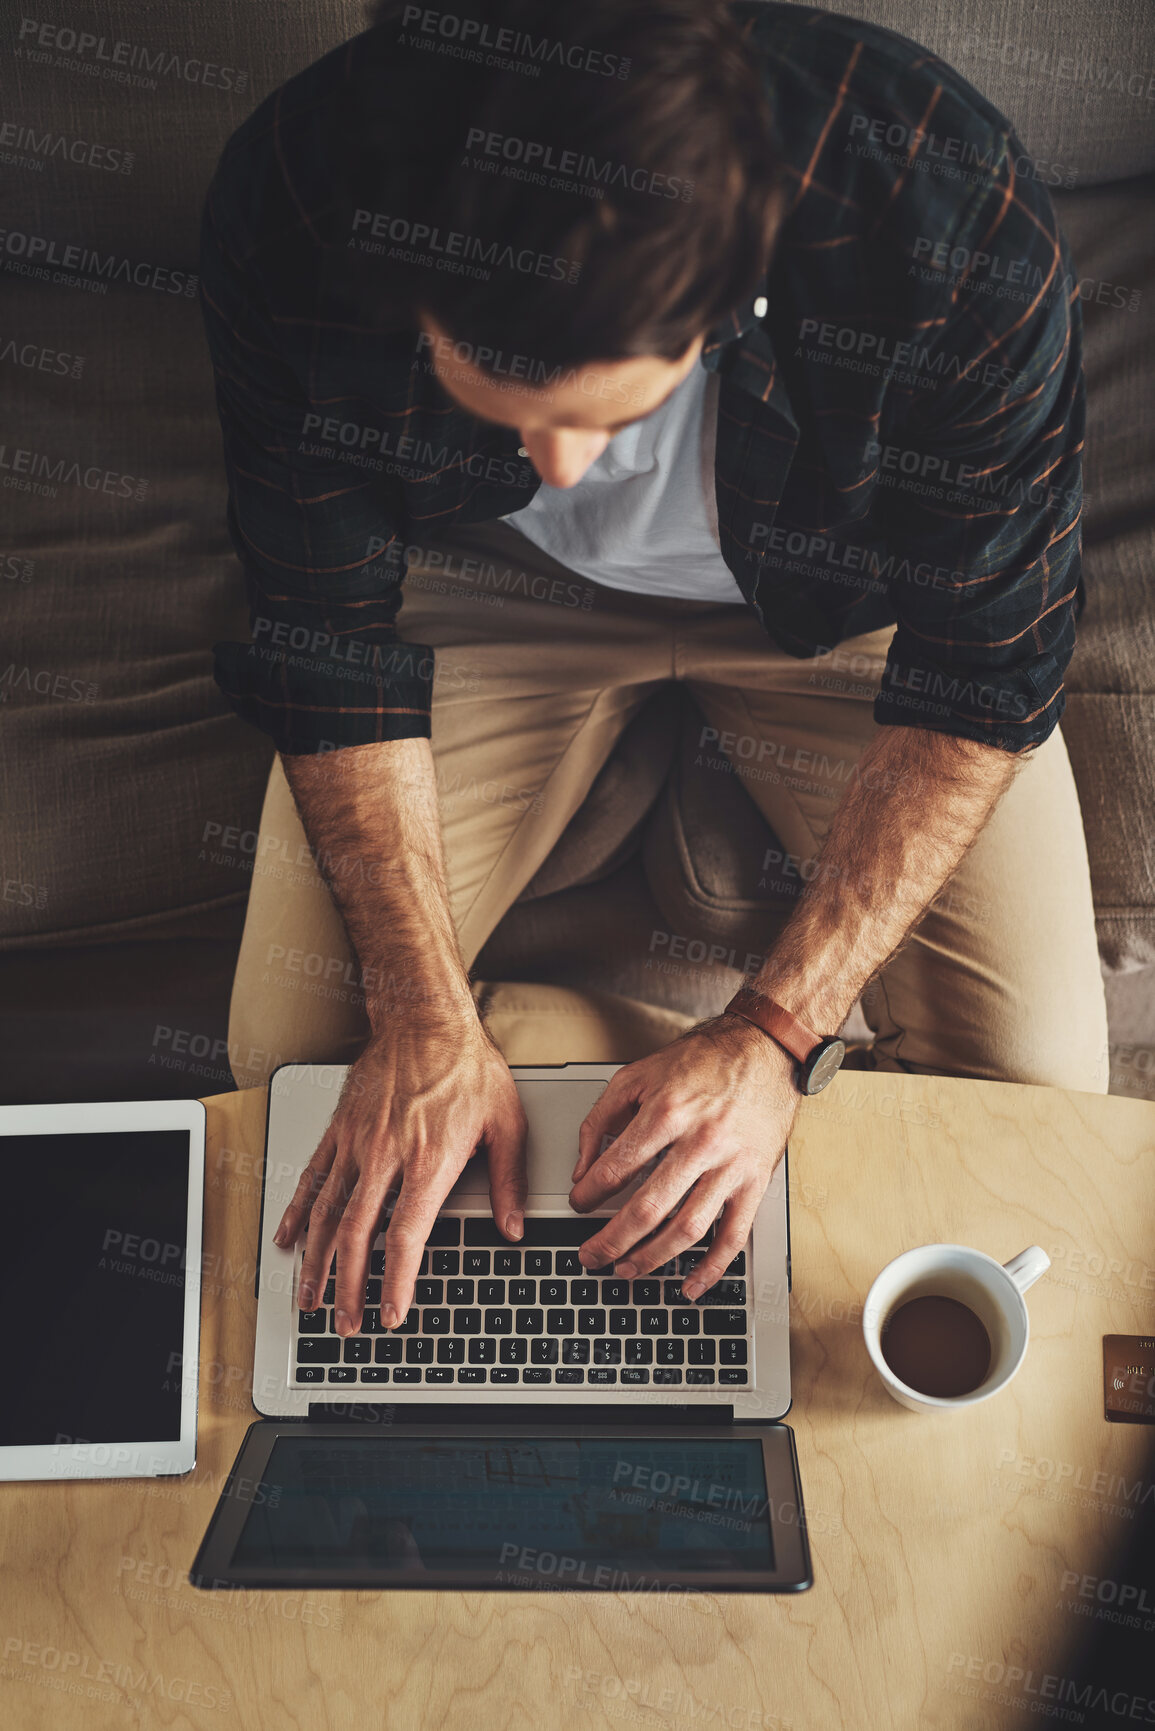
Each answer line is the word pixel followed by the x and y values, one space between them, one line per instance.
pixel 555 1107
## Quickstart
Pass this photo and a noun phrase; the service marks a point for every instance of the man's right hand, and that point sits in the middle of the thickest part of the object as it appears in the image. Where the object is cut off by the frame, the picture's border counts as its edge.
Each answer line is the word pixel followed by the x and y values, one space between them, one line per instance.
pixel 425 1093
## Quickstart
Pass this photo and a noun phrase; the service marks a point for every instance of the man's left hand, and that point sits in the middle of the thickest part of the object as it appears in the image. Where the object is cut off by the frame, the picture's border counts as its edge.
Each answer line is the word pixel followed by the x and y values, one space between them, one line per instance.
pixel 718 1103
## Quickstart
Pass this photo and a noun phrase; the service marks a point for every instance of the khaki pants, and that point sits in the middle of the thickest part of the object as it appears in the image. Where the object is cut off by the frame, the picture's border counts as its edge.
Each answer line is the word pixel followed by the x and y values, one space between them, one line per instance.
pixel 1000 981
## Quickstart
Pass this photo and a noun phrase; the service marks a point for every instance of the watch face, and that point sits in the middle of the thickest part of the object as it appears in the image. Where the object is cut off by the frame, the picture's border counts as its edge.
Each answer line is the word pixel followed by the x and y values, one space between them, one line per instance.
pixel 823 1065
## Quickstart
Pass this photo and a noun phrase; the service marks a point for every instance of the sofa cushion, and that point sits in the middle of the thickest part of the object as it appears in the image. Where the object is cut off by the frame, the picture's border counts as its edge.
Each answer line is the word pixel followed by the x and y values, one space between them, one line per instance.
pixel 1075 80
pixel 128 789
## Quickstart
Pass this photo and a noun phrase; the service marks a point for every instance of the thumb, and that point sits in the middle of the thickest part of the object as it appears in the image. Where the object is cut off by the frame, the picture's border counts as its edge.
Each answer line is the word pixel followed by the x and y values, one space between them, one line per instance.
pixel 505 1151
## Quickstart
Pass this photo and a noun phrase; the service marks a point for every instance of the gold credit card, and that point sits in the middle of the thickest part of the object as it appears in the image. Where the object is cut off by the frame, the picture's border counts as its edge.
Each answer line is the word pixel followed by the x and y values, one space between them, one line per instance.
pixel 1129 1378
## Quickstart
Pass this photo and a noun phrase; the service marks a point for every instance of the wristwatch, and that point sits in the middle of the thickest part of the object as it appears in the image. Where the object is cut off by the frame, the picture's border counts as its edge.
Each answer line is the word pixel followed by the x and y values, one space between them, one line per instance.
pixel 818 1056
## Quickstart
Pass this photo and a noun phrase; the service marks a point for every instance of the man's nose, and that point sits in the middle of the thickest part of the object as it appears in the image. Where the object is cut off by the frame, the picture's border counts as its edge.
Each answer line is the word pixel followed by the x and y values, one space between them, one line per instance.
pixel 562 458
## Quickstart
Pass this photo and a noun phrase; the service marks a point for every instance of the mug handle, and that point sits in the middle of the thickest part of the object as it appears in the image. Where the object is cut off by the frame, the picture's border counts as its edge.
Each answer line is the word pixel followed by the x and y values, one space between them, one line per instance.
pixel 1025 1268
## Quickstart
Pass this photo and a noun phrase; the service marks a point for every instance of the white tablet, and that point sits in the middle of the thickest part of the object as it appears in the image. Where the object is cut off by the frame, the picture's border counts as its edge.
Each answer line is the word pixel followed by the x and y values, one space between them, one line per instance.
pixel 100 1277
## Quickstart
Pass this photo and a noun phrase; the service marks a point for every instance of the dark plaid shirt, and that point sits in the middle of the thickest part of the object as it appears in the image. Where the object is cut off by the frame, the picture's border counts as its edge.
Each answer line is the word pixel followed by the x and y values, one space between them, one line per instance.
pixel 899 434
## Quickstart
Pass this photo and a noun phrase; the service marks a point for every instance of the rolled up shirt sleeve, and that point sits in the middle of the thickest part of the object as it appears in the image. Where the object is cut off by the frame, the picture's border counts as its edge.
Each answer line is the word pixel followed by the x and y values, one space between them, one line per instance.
pixel 317 541
pixel 981 483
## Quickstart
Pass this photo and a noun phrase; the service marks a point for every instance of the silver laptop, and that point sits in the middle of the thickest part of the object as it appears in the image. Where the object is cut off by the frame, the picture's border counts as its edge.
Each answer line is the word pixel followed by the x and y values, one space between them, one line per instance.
pixel 494 1322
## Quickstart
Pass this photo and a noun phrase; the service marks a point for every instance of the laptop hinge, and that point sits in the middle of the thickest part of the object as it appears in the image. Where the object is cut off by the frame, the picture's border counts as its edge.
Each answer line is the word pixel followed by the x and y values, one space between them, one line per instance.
pixel 463 1413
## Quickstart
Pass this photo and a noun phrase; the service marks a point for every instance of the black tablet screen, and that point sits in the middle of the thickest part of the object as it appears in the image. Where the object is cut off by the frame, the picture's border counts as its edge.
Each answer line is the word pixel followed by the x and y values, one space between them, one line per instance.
pixel 92 1282
pixel 577 1511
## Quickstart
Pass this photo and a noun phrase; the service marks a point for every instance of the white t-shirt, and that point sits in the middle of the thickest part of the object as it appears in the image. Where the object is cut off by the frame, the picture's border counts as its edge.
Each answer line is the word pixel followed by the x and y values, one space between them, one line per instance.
pixel 644 515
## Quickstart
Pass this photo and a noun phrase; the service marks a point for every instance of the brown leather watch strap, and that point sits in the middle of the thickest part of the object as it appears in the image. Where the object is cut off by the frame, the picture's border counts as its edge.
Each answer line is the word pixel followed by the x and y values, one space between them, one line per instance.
pixel 773 1019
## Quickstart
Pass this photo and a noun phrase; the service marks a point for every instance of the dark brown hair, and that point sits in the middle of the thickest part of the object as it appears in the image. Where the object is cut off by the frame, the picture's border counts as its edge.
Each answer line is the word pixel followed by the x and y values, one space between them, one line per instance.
pixel 665 219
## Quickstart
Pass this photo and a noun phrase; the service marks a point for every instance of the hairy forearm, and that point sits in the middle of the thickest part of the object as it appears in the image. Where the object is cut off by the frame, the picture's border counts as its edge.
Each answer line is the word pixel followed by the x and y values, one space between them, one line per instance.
pixel 917 803
pixel 371 815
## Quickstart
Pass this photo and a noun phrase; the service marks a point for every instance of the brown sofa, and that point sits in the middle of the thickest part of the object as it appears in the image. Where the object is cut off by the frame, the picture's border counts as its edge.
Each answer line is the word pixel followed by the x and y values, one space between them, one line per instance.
pixel 131 793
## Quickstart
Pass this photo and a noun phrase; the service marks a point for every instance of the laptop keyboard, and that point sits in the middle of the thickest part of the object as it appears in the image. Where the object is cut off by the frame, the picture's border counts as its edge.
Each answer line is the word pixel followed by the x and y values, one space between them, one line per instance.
pixel 486 1312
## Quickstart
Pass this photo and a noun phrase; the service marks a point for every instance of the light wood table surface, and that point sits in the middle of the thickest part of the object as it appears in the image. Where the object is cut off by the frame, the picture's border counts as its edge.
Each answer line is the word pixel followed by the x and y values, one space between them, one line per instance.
pixel 951 1552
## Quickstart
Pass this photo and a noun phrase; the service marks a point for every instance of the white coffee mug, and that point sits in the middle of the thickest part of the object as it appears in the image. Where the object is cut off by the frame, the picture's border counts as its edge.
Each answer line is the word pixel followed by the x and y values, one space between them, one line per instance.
pixel 993 1290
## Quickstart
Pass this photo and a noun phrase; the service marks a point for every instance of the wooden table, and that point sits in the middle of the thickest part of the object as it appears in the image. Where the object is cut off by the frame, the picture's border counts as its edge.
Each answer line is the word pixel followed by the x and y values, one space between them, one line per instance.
pixel 958 1559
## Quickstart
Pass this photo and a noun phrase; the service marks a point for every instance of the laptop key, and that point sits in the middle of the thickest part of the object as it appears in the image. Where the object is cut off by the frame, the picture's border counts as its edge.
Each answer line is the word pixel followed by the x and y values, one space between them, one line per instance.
pixel 450 1350
pixel 602 1374
pixel 372 1292
pixel 499 1322
pixel 446 1262
pixel 330 1294
pixel 537 1373
pixel 623 1322
pixel 670 1351
pixel 724 1322
pixel 439 1373
pixel 529 1321
pixel 342 1373
pixel 674 1294
pixel 583 1292
pixel 701 1351
pixel 523 1292
pixel 663 1374
pixel 738 1266
pixel 407 1373
pixel 471 1373
pixel 475 1262
pixel 575 1350
pixel 591 1321
pixel 725 1292
pixel 607 1350
pixel 505 1373
pixel 513 1350
pixel 697 1374
pixel 411 1324
pixel 482 1350
pixel 654 1322
pixel 551 1292
pixel 567 1262
pixel 634 1374
pixel 310 1373
pixel 310 1322
pixel 569 1374
pixel 419 1351
pixel 491 1292
pixel 646 1292
pixel 429 1292
pixel 615 1292
pixel 731 1351
pixel 358 1350
pixel 446 1230
pixel 544 1350
pixel 467 1322
pixel 539 1262
pixel 389 1351
pixel 507 1262
pixel 560 1321
pixel 435 1322
pixel 540 1230
pixel 727 1374
pixel 371 1321
pixel 312 1350
pixel 377 1262
pixel 375 1373
pixel 459 1291
pixel 683 1321
pixel 639 1352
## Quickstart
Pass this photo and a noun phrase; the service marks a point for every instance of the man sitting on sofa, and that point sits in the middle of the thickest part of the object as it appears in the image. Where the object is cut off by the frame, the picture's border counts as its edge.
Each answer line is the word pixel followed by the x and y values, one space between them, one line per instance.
pixel 676 323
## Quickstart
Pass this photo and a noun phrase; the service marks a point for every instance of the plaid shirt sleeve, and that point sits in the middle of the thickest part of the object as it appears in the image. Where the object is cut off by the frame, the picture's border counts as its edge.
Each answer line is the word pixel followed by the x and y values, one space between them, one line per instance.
pixel 325 668
pixel 984 482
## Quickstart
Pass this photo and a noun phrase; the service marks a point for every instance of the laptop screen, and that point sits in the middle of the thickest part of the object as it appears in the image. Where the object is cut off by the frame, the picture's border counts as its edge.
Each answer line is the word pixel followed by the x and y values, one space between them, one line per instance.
pixel 575 1511
pixel 94 1263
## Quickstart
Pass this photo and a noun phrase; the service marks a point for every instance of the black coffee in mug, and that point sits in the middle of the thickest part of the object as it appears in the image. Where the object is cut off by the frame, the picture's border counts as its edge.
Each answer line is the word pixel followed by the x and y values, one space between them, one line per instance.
pixel 937 1346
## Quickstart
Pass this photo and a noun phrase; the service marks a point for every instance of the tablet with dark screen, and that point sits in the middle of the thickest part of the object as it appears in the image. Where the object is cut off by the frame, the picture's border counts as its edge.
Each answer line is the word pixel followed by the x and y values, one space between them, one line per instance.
pixel 105 1271
pixel 629 1509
